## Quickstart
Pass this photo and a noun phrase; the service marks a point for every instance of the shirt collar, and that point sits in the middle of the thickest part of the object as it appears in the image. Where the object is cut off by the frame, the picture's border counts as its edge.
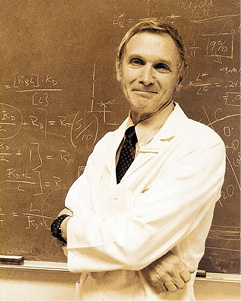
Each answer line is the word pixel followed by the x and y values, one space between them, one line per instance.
pixel 148 128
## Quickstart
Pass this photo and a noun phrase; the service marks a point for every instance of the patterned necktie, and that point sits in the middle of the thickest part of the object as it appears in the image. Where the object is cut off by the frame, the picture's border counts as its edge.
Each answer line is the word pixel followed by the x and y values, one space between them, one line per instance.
pixel 127 154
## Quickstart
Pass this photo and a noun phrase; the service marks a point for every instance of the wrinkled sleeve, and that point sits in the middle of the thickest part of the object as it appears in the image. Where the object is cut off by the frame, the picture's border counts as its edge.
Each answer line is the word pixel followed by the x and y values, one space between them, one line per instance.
pixel 167 212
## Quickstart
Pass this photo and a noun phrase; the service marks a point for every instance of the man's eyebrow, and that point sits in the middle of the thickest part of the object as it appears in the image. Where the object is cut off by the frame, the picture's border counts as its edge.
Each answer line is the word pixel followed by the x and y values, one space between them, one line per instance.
pixel 135 55
pixel 158 60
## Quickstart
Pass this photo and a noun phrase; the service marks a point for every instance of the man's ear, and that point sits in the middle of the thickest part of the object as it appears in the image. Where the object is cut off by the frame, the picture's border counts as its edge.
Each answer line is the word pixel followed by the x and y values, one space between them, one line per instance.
pixel 179 85
pixel 118 71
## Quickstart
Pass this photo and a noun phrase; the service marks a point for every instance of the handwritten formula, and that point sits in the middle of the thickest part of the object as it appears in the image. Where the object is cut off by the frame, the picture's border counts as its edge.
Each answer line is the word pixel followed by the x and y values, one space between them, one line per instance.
pixel 43 148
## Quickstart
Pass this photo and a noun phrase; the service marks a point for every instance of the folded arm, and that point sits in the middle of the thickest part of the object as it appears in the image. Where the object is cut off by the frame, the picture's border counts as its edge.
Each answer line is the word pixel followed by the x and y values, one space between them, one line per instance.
pixel 132 240
pixel 167 273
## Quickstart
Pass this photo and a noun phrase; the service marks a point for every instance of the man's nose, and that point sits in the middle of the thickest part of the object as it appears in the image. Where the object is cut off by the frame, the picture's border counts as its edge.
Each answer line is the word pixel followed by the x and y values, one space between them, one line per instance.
pixel 147 75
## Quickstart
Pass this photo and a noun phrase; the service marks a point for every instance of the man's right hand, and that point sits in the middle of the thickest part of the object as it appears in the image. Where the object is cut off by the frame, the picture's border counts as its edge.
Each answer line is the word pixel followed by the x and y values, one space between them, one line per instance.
pixel 168 273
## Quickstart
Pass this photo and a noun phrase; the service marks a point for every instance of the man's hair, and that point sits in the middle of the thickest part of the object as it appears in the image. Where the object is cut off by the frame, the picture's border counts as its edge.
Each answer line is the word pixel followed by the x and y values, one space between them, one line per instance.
pixel 159 27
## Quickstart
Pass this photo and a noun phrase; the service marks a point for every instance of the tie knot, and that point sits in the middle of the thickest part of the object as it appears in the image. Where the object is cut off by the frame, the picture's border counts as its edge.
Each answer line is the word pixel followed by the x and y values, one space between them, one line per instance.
pixel 130 131
pixel 130 134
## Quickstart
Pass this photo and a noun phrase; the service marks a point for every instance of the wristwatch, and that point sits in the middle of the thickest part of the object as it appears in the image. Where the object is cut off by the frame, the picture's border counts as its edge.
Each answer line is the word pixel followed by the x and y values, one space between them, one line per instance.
pixel 56 227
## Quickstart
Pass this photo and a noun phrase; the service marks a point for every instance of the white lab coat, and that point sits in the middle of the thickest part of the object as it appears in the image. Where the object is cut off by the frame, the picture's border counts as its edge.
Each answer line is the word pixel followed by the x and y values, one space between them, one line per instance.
pixel 164 202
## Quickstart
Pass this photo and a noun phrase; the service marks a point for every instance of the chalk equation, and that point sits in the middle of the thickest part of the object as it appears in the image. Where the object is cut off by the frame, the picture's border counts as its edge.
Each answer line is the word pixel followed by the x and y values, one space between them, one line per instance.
pixel 226 122
pixel 34 82
pixel 43 147
pixel 204 83
pixel 33 219
pixel 10 121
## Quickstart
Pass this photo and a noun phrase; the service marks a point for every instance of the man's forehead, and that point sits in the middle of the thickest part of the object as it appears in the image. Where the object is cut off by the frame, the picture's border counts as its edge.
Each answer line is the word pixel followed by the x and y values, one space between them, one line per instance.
pixel 156 44
pixel 149 34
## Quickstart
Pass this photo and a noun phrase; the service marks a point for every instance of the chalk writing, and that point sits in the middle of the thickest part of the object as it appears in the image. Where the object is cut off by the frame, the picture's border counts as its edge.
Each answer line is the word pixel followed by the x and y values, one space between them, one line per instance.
pixel 10 121
pixel 220 118
pixel 232 99
pixel 23 83
pixel 220 45
pixel 191 4
pixel 123 20
pixel 230 70
pixel 40 99
pixel 36 221
pixel 223 241
pixel 2 215
pixel 60 97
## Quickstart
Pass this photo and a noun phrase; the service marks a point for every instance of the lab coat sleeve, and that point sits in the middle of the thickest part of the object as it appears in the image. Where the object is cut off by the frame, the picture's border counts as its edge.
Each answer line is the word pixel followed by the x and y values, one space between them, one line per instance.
pixel 170 209
pixel 79 195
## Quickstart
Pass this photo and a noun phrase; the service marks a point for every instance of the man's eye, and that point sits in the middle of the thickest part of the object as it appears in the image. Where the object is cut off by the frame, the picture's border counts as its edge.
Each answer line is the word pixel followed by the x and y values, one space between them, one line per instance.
pixel 136 62
pixel 162 67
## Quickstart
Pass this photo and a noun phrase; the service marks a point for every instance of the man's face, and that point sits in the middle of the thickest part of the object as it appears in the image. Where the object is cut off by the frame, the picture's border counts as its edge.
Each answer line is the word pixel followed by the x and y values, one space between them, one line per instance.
pixel 149 72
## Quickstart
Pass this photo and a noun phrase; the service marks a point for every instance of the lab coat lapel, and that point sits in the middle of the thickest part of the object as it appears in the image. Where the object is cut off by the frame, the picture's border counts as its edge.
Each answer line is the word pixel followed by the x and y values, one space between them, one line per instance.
pixel 146 153
pixel 159 144
pixel 174 124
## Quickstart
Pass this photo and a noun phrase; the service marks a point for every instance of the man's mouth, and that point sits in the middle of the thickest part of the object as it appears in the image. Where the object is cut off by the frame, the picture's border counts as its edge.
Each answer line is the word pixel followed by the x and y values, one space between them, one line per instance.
pixel 144 91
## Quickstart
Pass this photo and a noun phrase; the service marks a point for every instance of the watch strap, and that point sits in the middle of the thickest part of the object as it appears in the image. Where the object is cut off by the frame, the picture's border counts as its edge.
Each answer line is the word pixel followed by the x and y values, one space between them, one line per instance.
pixel 56 227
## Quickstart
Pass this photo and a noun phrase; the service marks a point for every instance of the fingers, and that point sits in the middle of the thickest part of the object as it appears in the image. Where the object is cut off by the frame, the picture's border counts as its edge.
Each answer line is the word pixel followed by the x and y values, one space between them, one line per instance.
pixel 154 279
pixel 173 273
pixel 179 282
pixel 172 281
pixel 168 273
pixel 170 286
pixel 163 281
pixel 185 275
pixel 191 270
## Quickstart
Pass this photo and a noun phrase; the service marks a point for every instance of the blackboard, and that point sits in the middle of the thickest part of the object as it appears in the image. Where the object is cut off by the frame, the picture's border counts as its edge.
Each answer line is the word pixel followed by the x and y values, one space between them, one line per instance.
pixel 59 96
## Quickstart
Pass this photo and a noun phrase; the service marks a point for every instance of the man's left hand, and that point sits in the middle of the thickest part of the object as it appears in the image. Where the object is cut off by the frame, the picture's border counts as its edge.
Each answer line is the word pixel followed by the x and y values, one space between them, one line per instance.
pixel 168 273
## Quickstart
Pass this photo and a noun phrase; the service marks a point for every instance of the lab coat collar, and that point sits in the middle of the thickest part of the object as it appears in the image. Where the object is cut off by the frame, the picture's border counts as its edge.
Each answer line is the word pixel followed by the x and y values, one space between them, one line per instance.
pixel 173 125
pixel 170 128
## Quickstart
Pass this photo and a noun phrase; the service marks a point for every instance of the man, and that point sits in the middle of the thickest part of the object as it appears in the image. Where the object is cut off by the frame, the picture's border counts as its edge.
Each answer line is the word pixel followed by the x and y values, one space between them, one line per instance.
pixel 135 228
